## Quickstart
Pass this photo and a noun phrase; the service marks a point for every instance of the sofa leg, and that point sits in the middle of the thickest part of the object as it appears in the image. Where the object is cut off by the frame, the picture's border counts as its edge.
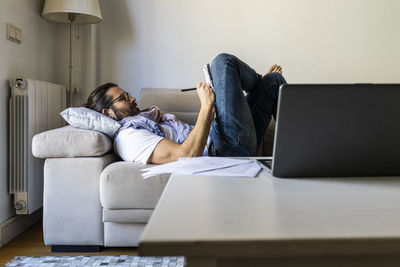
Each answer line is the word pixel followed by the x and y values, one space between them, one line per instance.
pixel 62 248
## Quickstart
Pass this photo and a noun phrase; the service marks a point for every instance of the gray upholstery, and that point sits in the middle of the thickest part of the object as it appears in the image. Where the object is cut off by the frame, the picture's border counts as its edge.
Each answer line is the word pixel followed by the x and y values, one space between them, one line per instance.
pixel 127 215
pixel 71 203
pixel 69 142
pixel 122 234
pixel 169 99
pixel 123 187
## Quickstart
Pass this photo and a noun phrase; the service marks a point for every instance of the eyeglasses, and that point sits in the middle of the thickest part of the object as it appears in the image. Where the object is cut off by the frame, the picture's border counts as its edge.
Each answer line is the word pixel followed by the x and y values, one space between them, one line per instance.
pixel 122 97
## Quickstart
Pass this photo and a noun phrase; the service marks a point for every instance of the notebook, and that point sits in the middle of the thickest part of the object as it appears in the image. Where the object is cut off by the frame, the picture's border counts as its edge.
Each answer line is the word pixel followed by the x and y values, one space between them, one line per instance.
pixel 207 78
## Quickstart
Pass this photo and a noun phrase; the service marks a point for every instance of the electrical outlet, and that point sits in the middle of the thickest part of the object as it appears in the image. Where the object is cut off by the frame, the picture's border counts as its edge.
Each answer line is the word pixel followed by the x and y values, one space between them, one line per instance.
pixel 13 33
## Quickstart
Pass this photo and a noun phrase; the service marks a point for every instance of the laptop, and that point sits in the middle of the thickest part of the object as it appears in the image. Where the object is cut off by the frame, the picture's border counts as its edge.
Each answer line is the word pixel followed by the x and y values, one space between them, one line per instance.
pixel 337 130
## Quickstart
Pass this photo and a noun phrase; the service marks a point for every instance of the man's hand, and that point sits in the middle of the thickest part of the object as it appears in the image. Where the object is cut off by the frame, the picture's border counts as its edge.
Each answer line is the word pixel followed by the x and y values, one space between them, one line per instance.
pixel 206 95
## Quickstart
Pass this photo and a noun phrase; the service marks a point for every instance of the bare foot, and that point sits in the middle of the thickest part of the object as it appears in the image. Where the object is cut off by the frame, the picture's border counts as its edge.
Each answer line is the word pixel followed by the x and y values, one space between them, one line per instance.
pixel 274 68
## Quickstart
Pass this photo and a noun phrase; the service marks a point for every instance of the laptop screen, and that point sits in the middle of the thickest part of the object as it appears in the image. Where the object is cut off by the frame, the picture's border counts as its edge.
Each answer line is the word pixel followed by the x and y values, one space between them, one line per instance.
pixel 337 130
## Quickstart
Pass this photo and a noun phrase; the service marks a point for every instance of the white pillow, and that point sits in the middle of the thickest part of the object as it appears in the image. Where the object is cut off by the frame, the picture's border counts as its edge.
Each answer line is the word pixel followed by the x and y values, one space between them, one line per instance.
pixel 86 118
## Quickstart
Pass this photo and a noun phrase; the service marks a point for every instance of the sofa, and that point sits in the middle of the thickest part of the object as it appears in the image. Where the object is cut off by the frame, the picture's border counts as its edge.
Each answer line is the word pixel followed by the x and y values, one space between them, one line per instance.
pixel 92 198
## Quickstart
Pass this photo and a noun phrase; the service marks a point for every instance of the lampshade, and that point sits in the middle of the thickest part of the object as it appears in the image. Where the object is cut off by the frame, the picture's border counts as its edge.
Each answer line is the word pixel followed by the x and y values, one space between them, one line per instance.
pixel 88 11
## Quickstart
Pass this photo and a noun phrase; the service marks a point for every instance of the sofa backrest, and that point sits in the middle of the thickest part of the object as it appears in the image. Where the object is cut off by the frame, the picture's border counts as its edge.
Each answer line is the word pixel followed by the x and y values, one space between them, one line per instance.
pixel 185 105
pixel 172 100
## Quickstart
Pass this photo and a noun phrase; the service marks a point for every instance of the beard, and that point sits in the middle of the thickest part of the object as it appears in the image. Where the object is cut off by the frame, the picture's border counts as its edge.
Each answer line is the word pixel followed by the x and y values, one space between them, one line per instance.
pixel 132 110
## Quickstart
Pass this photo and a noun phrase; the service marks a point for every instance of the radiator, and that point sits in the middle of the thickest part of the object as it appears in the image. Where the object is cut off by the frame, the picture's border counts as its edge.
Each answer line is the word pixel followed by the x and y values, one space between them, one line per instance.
pixel 34 108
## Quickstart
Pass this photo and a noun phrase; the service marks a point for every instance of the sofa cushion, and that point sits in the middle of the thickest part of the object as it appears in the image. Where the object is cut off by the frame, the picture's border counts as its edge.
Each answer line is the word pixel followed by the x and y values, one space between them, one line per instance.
pixel 122 187
pixel 127 215
pixel 70 142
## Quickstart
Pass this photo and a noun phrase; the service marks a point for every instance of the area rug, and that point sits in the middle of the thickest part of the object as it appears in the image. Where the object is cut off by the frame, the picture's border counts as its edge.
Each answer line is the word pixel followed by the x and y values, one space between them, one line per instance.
pixel 78 261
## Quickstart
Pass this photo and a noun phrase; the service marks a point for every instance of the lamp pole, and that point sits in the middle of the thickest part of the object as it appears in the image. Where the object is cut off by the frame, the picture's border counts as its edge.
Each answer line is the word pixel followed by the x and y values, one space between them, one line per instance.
pixel 72 18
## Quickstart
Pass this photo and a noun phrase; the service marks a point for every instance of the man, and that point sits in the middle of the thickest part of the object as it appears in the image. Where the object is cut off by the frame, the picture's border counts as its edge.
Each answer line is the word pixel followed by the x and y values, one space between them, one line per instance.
pixel 237 130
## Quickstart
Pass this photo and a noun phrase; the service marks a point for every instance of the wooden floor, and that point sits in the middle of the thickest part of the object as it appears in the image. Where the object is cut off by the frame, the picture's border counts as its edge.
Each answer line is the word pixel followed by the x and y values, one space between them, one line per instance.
pixel 30 243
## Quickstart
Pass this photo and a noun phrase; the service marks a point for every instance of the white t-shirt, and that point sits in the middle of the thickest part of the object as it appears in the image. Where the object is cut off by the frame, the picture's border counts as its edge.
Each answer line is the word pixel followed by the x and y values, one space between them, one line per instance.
pixel 137 145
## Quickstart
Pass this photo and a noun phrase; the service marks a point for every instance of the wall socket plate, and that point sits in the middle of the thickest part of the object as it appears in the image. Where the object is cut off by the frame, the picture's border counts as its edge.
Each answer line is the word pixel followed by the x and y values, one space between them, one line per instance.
pixel 13 33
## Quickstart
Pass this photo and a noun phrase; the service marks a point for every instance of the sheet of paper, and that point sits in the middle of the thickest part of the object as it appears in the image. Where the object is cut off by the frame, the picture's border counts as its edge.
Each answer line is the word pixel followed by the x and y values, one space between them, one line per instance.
pixel 250 169
pixel 219 166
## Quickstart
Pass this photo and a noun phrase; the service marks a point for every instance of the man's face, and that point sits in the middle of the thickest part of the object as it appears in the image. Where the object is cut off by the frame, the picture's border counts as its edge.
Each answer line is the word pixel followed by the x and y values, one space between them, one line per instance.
pixel 123 105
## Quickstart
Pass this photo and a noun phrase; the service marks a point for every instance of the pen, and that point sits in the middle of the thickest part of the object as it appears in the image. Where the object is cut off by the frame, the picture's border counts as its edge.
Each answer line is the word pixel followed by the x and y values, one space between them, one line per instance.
pixel 188 89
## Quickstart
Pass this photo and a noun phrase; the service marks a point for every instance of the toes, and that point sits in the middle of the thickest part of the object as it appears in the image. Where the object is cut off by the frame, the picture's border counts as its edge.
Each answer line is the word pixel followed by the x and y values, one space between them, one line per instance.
pixel 275 68
pixel 272 68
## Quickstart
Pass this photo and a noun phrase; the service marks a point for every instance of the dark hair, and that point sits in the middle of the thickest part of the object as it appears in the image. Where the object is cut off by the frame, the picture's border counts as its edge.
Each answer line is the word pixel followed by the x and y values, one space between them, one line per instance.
pixel 98 99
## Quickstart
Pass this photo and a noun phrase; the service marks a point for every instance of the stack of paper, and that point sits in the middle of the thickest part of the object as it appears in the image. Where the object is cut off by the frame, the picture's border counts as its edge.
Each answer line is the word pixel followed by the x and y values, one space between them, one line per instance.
pixel 217 166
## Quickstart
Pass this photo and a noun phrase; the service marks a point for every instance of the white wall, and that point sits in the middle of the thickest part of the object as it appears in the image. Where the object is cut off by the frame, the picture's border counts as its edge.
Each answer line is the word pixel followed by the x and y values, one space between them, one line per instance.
pixel 164 43
pixel 85 56
pixel 42 55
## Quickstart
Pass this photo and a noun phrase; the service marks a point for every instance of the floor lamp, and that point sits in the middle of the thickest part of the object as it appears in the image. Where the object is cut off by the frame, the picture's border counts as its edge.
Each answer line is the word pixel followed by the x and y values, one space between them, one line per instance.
pixel 72 12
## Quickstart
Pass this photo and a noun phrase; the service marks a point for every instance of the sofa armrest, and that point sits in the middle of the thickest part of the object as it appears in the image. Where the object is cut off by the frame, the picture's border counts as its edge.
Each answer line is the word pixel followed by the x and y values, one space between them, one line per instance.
pixel 72 213
pixel 70 142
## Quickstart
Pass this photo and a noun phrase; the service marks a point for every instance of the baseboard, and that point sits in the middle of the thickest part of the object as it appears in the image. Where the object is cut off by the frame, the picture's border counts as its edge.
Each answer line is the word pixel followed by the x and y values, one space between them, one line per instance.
pixel 14 226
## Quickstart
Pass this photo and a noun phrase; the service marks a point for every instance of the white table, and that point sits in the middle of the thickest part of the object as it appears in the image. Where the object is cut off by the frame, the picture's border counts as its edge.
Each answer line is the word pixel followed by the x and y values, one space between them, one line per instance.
pixel 268 221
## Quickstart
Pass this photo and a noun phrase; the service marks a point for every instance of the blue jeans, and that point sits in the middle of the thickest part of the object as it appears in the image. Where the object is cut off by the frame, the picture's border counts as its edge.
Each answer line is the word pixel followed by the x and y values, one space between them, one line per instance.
pixel 241 121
